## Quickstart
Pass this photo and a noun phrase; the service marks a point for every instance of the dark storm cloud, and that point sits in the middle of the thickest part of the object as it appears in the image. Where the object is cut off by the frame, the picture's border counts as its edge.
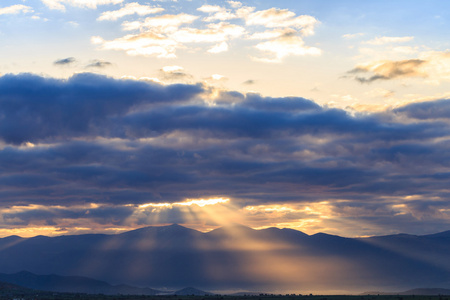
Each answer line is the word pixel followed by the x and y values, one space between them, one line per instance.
pixel 52 215
pixel 34 108
pixel 288 104
pixel 65 61
pixel 118 142
pixel 426 110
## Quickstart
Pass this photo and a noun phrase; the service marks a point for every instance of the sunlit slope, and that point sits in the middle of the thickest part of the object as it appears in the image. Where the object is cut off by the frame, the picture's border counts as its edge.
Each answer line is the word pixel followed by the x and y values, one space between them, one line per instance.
pixel 237 257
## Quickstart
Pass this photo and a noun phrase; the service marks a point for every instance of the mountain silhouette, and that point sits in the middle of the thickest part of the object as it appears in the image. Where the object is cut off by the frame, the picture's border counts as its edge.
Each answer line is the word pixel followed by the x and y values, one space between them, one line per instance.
pixel 190 291
pixel 236 257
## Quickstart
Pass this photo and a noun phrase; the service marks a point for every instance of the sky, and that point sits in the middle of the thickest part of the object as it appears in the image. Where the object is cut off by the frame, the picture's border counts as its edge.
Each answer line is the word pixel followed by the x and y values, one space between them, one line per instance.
pixel 321 116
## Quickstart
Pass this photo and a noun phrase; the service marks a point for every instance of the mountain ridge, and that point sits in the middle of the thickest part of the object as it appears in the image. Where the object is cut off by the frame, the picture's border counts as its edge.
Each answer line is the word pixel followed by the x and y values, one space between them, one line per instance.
pixel 176 226
pixel 236 257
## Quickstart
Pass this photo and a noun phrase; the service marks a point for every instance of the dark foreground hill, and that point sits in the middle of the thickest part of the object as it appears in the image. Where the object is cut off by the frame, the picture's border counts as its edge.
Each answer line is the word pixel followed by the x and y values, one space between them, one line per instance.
pixel 72 284
pixel 427 292
pixel 237 257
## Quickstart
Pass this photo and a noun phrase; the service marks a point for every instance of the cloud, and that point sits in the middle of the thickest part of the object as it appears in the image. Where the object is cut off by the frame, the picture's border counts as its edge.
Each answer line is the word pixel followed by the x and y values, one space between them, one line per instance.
pixel 129 9
pixel 107 146
pixel 222 47
pixel 161 24
pixel 272 34
pixel 147 44
pixel 437 67
pixel 389 39
pixel 432 66
pixel 65 61
pixel 349 36
pixel 234 4
pixel 99 64
pixel 284 46
pixel 174 73
pixel 163 35
pixel 154 40
pixel 210 8
pixel 65 112
pixel 92 4
pixel 15 9
pixel 286 39
pixel 217 13
pixel 426 110
pixel 164 39
pixel 386 70
pixel 282 18
pixel 215 33
pixel 215 79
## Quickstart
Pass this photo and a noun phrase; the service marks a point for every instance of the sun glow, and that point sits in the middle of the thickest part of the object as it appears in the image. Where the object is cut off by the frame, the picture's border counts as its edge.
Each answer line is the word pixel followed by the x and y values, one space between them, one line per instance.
pixel 188 202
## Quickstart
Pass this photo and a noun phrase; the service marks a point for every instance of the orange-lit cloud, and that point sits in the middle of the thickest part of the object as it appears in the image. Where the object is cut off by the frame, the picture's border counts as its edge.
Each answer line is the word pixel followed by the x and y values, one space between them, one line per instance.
pixel 189 202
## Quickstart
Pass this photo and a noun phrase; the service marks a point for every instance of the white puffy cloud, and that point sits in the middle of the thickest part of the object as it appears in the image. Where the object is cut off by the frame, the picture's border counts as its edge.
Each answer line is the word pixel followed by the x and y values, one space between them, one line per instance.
pixel 389 39
pixel 438 66
pixel 210 8
pixel 217 13
pixel 275 17
pixel 162 35
pixel 15 9
pixel 272 17
pixel 271 34
pixel 147 44
pixel 129 9
pixel 234 4
pixel 243 12
pixel 285 39
pixel 222 47
pixel 285 46
pixel 59 4
pixel 349 36
pixel 213 34
pixel 164 23
pixel 220 16
pixel 171 69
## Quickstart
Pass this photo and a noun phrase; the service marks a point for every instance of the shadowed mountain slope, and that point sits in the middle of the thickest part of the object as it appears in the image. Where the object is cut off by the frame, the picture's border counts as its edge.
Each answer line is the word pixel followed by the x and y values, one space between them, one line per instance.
pixel 237 257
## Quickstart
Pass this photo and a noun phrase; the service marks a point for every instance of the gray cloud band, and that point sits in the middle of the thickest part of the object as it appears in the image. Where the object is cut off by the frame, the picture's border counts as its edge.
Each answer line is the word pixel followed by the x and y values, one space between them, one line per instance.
pixel 94 139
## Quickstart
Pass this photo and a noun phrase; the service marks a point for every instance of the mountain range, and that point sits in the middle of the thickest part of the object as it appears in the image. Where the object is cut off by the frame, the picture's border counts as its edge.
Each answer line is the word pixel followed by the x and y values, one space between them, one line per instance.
pixel 235 257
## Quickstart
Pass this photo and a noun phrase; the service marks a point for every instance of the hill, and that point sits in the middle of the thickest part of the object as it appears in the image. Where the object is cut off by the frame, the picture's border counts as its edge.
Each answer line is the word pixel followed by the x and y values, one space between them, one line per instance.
pixel 233 257
pixel 71 284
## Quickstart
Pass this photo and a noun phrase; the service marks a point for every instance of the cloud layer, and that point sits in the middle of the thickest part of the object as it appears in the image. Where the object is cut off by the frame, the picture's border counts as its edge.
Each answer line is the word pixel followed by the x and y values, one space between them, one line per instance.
pixel 163 35
pixel 92 151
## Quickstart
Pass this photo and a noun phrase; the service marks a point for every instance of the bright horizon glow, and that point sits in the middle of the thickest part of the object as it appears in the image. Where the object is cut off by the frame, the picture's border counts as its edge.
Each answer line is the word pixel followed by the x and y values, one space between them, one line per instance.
pixel 188 202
